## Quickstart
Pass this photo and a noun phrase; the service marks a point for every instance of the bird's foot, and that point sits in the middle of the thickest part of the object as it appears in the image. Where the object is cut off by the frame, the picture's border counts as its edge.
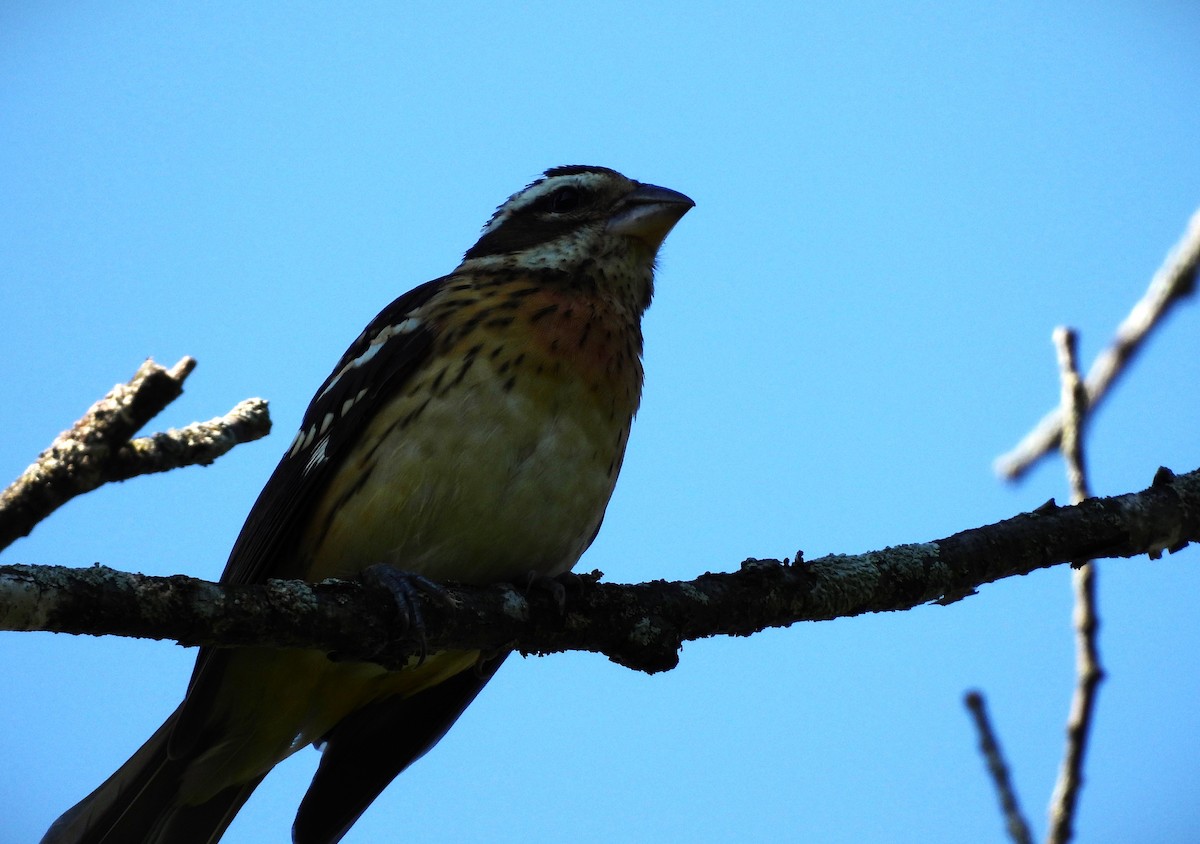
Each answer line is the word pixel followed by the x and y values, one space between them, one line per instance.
pixel 406 589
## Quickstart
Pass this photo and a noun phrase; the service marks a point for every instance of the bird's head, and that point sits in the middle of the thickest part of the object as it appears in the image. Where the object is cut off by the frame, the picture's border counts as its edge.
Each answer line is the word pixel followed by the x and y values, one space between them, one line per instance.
pixel 584 221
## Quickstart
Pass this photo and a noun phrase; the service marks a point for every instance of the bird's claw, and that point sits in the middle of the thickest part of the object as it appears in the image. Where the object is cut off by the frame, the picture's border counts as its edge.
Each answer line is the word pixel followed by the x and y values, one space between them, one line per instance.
pixel 406 589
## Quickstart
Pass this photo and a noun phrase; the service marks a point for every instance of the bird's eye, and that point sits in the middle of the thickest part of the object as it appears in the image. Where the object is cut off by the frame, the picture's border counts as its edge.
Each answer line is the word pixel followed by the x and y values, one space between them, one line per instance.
pixel 565 199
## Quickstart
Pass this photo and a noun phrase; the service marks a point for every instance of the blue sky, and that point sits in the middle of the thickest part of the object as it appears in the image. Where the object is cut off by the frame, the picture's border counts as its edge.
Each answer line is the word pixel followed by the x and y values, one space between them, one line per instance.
pixel 895 206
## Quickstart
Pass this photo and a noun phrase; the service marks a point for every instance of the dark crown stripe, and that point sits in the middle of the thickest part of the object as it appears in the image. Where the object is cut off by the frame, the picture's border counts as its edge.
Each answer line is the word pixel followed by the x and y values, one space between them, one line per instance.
pixel 577 169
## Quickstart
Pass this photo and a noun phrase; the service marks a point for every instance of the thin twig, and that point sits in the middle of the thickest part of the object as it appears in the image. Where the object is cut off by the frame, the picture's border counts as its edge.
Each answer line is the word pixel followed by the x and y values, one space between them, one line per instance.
pixel 1014 821
pixel 197 444
pixel 97 449
pixel 1175 280
pixel 1074 410
pixel 1089 674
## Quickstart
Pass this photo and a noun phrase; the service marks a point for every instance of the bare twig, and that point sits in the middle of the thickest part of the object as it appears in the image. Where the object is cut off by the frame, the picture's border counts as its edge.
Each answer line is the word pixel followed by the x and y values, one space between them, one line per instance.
pixel 641 626
pixel 1014 820
pixel 97 449
pixel 1089 674
pixel 197 444
pixel 1175 280
pixel 1074 411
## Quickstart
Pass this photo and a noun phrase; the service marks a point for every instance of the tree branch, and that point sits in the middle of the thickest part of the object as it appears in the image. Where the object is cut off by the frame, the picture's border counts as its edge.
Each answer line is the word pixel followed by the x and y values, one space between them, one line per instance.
pixel 1014 820
pixel 641 626
pixel 98 450
pixel 1088 672
pixel 1174 281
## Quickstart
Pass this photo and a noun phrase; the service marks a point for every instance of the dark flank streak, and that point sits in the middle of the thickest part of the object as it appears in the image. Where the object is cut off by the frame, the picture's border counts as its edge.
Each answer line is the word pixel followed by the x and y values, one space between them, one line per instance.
pixel 510 300
pixel 437 382
pixel 541 312
pixel 462 371
pixel 413 414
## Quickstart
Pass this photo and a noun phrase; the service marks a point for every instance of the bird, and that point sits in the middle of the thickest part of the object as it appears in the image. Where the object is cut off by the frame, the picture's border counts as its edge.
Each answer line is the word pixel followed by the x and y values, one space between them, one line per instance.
pixel 473 432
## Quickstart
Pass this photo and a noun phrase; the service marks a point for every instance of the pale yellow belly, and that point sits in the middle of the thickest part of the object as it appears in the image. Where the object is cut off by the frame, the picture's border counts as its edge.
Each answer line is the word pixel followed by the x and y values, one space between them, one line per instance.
pixel 485 484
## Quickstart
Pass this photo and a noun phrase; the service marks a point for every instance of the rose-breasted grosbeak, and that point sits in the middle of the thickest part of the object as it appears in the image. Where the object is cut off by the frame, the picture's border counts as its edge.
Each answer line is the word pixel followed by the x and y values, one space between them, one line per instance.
pixel 472 432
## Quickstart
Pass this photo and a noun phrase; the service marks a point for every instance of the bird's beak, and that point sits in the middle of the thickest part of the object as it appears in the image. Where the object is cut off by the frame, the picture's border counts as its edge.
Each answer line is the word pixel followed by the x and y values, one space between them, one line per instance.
pixel 649 214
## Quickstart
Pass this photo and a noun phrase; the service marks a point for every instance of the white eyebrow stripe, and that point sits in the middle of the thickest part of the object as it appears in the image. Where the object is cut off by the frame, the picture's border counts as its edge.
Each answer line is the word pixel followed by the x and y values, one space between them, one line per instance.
pixel 533 193
pixel 406 326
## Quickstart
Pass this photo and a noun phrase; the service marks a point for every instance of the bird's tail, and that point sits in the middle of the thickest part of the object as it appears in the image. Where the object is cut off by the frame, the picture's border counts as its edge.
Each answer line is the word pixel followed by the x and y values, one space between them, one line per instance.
pixel 140 804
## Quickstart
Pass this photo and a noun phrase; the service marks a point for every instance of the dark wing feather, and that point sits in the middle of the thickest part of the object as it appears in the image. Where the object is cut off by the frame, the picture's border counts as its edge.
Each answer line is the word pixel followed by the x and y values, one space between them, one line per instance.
pixel 266 546
pixel 370 747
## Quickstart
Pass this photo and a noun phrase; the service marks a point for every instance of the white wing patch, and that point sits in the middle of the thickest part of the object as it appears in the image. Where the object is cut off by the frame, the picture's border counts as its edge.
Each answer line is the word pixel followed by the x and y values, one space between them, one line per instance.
pixel 296 444
pixel 318 455
pixel 406 326
pixel 305 436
